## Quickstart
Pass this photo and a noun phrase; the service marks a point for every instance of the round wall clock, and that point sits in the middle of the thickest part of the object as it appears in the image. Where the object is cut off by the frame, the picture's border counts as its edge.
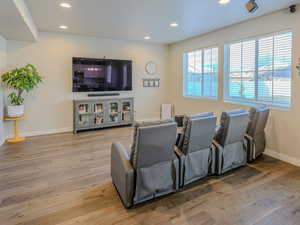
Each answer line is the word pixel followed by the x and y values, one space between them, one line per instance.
pixel 151 68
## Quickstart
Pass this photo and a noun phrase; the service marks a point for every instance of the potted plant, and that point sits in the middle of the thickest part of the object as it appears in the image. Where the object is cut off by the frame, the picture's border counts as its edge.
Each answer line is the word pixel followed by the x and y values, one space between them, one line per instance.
pixel 20 79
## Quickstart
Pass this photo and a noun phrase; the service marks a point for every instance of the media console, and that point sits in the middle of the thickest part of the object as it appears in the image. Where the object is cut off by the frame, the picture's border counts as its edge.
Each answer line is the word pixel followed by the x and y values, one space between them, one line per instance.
pixel 99 113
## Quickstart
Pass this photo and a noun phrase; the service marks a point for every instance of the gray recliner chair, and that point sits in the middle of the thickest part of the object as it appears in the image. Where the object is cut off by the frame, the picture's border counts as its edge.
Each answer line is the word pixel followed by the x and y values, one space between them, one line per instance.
pixel 255 136
pixel 195 149
pixel 231 149
pixel 152 168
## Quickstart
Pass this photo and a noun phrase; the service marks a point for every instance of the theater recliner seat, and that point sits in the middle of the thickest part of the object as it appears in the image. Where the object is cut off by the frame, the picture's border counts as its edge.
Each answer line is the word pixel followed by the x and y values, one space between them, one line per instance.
pixel 256 132
pixel 231 149
pixel 195 148
pixel 152 168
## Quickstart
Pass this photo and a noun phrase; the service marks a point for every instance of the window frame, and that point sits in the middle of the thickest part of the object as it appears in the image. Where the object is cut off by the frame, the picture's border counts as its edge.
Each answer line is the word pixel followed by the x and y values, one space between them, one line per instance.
pixel 226 72
pixel 184 74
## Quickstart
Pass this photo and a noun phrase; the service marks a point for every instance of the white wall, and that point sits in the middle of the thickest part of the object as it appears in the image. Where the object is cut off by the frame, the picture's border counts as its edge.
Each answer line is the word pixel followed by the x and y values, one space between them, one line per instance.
pixel 283 136
pixel 2 68
pixel 49 107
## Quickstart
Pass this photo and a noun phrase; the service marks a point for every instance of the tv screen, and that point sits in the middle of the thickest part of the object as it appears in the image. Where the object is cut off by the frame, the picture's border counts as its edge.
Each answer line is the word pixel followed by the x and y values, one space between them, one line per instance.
pixel 101 75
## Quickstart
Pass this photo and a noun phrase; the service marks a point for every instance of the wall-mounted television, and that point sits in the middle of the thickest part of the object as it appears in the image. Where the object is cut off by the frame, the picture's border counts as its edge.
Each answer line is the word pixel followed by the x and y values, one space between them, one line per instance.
pixel 92 75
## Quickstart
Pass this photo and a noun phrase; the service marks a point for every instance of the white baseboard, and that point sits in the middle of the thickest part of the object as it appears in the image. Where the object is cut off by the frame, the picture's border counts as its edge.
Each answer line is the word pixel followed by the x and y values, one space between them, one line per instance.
pixel 147 119
pixel 283 157
pixel 59 130
pixel 49 131
pixel 44 132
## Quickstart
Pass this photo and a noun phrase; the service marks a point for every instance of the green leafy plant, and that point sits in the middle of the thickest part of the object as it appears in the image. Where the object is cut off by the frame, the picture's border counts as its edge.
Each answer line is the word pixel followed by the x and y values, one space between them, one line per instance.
pixel 21 79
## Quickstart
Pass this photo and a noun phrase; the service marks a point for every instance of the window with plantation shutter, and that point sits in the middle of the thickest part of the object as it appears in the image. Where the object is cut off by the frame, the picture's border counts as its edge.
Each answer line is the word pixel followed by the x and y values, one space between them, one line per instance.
pixel 200 73
pixel 259 70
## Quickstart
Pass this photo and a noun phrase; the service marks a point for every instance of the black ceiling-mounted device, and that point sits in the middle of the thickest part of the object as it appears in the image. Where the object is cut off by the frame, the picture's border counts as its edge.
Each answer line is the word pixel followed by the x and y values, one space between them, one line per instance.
pixel 293 9
pixel 251 6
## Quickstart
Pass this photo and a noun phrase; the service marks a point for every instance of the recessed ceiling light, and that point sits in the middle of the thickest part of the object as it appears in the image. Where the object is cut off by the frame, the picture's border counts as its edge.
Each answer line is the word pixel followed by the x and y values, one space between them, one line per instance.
pixel 65 5
pixel 223 2
pixel 147 38
pixel 63 27
pixel 173 24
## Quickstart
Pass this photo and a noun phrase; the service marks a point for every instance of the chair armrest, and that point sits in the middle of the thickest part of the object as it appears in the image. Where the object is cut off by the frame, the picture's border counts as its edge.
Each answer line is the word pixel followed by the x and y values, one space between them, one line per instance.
pixel 218 126
pixel 178 137
pixel 219 157
pixel 248 137
pixel 176 164
pixel 250 147
pixel 178 152
pixel 122 173
pixel 218 132
pixel 217 145
pixel 181 156
pixel 213 165
pixel 248 141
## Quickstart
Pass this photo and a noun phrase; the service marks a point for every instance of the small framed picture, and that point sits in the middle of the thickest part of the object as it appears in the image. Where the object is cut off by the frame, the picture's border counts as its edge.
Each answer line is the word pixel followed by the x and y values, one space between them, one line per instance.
pixel 145 83
pixel 156 83
pixel 151 83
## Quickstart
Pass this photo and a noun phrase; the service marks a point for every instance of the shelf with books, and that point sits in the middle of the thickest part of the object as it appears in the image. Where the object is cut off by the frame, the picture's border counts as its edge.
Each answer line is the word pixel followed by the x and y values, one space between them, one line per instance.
pixel 100 113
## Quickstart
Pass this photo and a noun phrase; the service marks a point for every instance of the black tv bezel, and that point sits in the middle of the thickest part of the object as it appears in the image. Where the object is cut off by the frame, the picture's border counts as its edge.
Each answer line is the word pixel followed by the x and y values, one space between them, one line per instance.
pixel 103 59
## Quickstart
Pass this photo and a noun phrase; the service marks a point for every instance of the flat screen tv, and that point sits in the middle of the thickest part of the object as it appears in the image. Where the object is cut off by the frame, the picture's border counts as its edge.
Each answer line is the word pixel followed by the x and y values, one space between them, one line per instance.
pixel 91 75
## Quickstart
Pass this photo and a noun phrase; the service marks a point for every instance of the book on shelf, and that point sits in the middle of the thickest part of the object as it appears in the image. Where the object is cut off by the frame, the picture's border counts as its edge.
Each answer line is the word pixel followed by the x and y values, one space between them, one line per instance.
pixel 98 108
pixel 82 109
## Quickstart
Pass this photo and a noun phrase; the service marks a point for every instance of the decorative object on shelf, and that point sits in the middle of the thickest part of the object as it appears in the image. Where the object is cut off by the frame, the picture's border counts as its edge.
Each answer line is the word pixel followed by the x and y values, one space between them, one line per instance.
pixel 19 80
pixel 98 119
pixel 16 138
pixel 114 112
pixel 151 68
pixel 167 111
pixel 298 67
pixel 151 83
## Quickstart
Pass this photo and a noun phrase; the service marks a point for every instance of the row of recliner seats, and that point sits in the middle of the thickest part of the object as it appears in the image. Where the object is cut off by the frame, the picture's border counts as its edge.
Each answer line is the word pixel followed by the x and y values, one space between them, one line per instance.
pixel 156 166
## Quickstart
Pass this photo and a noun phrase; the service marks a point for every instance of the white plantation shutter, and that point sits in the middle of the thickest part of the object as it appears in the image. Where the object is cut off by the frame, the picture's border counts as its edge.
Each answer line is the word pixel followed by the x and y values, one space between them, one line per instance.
pixel 200 73
pixel 259 70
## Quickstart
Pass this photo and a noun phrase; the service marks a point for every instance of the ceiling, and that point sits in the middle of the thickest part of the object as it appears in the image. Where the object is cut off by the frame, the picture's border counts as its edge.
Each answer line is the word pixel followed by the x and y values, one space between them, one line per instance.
pixel 16 22
pixel 135 19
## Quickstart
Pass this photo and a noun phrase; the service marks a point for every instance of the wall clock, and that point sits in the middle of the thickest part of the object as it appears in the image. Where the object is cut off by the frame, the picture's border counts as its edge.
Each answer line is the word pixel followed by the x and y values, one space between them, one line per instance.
pixel 151 68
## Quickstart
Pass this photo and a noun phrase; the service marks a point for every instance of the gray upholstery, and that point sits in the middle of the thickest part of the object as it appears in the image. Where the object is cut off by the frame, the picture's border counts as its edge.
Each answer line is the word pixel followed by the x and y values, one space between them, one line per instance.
pixel 143 124
pixel 185 123
pixel 256 131
pixel 122 173
pixel 153 163
pixel 195 147
pixel 230 142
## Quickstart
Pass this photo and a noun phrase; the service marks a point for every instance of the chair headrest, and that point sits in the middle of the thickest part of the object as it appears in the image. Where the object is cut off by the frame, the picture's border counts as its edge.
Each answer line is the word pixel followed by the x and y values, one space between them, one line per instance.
pixel 233 126
pixel 198 132
pixel 205 114
pixel 152 123
pixel 258 119
pixel 152 142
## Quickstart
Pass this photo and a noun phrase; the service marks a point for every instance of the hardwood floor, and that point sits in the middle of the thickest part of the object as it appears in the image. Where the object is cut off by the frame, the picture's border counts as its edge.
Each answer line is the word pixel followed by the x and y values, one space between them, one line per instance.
pixel 64 179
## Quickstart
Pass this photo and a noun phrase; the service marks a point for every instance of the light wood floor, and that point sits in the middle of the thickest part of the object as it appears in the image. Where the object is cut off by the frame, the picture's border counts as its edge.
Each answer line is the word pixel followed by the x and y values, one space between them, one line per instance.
pixel 64 179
